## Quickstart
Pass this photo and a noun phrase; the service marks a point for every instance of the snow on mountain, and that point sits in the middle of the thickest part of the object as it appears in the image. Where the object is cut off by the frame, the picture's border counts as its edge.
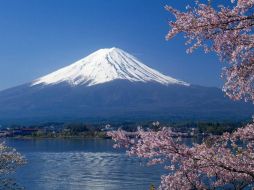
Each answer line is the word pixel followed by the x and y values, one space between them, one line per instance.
pixel 106 65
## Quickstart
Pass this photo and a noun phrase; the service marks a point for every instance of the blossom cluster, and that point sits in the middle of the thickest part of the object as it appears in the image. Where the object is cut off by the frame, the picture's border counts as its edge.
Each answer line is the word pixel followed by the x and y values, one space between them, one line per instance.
pixel 10 159
pixel 226 31
pixel 226 161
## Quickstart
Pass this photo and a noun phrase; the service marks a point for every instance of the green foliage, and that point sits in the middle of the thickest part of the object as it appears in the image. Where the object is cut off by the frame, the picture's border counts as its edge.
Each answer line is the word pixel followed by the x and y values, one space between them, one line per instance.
pixel 152 187
pixel 217 128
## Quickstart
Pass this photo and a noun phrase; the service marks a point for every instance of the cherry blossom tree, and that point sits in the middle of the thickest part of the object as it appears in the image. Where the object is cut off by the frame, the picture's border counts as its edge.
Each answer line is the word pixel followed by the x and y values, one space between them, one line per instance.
pixel 10 159
pixel 227 161
pixel 226 31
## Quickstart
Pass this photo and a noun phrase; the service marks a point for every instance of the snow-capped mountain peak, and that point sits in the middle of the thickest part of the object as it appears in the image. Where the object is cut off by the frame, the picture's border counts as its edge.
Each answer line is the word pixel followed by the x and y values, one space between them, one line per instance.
pixel 106 65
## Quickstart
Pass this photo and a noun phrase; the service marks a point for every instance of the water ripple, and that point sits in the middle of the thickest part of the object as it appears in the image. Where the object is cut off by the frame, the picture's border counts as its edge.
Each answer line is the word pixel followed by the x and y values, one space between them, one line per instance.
pixel 81 165
pixel 86 170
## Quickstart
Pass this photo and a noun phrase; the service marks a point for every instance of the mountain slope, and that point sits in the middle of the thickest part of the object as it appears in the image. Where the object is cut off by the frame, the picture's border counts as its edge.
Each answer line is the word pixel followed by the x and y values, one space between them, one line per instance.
pixel 111 84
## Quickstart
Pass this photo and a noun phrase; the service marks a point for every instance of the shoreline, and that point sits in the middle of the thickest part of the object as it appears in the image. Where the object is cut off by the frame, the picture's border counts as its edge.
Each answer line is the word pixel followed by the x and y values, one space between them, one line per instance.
pixel 44 138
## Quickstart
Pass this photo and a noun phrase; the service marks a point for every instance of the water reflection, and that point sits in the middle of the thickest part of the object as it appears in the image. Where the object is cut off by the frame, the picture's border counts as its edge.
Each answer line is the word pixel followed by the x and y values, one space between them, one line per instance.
pixel 81 164
pixel 7 183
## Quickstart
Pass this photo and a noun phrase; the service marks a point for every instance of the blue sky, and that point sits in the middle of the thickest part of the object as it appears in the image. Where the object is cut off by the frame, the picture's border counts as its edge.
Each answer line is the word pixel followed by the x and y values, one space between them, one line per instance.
pixel 40 36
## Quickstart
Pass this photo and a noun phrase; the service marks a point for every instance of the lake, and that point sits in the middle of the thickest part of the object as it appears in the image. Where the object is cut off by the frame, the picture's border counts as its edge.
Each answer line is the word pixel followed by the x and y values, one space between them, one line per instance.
pixel 77 164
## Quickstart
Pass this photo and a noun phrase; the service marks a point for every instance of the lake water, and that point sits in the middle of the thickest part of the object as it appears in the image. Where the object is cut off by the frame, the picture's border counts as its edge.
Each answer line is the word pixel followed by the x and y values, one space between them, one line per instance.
pixel 77 164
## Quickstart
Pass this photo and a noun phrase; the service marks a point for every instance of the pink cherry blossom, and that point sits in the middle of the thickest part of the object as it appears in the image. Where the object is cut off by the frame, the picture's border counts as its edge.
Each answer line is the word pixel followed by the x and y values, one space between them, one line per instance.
pixel 221 162
pixel 202 166
pixel 10 159
pixel 229 33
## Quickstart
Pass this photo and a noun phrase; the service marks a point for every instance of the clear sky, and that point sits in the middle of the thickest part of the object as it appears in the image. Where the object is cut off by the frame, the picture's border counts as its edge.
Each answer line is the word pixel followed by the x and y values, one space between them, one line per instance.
pixel 40 36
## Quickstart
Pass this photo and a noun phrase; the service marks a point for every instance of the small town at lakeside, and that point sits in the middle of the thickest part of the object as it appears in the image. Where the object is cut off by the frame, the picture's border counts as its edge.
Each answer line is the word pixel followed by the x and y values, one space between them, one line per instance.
pixel 83 130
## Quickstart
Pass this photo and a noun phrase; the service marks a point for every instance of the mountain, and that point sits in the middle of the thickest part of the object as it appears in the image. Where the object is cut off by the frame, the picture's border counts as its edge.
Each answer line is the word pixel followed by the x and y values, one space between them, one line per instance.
pixel 111 84
pixel 106 65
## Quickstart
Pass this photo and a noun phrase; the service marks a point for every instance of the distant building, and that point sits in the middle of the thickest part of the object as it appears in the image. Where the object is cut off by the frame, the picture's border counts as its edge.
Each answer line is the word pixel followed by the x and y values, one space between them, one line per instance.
pixel 4 133
pixel 107 128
